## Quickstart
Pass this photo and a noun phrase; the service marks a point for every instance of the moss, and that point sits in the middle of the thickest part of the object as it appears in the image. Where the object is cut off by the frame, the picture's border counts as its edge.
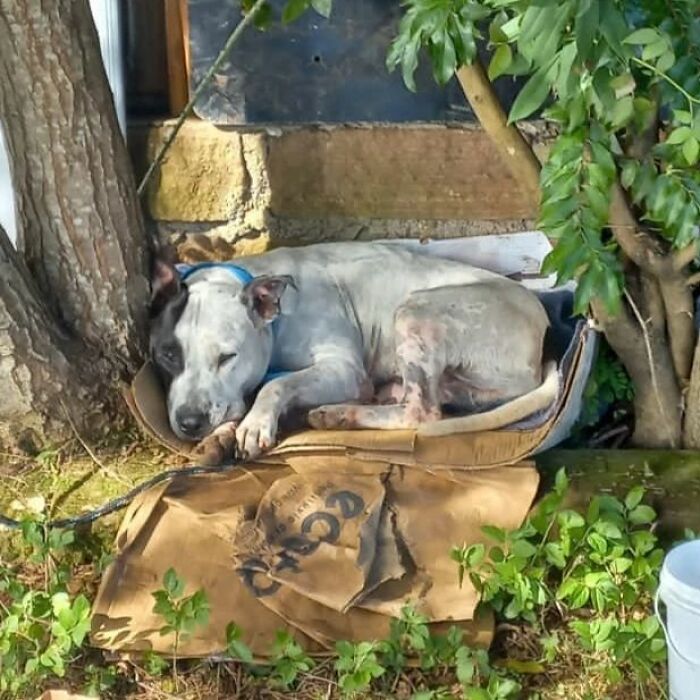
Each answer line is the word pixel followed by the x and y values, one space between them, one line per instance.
pixel 72 482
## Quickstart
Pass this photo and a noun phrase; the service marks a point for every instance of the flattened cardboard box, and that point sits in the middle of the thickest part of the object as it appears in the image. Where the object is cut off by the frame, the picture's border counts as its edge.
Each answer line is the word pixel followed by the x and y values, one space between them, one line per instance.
pixel 333 532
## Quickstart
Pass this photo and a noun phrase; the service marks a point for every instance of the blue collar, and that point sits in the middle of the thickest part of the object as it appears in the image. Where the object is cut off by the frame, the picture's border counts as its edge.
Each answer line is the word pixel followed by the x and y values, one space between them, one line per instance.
pixel 244 277
pixel 240 273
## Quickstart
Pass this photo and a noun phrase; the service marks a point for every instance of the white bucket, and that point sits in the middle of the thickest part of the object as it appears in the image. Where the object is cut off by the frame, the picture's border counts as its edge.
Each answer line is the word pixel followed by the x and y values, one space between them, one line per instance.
pixel 679 590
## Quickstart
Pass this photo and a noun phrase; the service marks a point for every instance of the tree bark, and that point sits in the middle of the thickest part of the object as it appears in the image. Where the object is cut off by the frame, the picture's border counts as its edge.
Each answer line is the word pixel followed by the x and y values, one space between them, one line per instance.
pixel 48 380
pixel 73 298
pixel 81 224
pixel 643 350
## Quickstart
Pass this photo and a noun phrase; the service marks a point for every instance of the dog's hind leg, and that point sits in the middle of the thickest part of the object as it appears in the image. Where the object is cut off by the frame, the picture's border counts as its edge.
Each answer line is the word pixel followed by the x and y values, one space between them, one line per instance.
pixel 419 338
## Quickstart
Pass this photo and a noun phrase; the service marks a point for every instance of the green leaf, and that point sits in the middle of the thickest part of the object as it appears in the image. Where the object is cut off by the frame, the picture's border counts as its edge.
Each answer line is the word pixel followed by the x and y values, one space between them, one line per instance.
pixel 532 96
pixel 654 50
pixel 173 585
pixel 691 150
pixel 634 497
pixel 523 548
pixel 620 565
pixel 623 112
pixel 561 481
pixel 643 37
pixel 666 61
pixel 555 555
pixel 565 63
pixel 494 533
pixel 541 30
pixel 294 9
pixel 465 665
pixel 323 7
pixel 263 17
pixel 444 58
pixel 500 61
pixel 600 204
pixel 682 116
pixel 409 63
pixel 623 85
pixel 642 515
pixel 607 529
pixel 586 27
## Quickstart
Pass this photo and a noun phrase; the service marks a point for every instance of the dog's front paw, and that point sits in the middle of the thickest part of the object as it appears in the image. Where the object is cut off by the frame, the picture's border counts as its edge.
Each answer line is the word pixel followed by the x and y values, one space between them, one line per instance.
pixel 256 434
pixel 217 447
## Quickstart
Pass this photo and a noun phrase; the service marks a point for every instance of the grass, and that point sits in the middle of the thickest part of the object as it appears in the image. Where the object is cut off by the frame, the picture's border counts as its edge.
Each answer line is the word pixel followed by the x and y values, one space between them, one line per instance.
pixel 545 657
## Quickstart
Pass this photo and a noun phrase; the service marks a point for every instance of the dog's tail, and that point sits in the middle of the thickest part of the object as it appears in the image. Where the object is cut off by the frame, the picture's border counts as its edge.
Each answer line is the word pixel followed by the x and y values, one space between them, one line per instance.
pixel 537 400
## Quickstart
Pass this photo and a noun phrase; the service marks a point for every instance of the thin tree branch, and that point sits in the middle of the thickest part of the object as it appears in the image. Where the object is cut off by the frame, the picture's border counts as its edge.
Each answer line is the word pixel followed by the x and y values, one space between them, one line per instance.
pixel 516 152
pixel 203 84
pixel 685 256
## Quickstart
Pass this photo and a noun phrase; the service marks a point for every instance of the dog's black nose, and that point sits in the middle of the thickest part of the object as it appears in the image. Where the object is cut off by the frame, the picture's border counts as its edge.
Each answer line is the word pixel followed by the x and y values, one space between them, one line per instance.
pixel 192 423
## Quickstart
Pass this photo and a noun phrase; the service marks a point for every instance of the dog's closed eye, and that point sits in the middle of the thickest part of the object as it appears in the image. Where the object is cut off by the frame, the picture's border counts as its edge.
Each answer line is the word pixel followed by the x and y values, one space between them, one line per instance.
pixel 168 354
pixel 226 357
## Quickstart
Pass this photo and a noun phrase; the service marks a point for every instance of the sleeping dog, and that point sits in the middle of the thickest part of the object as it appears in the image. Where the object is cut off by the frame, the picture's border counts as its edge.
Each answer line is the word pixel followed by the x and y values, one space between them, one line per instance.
pixel 327 328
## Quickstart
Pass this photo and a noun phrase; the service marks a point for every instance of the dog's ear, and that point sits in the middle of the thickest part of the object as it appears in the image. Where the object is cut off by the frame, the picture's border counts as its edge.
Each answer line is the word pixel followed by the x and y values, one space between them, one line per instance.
pixel 165 284
pixel 263 297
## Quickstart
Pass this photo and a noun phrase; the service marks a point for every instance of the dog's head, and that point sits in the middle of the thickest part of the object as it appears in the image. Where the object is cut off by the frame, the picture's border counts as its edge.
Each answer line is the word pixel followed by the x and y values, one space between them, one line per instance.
pixel 211 343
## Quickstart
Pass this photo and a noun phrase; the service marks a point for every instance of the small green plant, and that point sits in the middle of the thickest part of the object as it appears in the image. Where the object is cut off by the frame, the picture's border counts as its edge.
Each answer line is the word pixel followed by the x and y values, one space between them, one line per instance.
pixel 289 660
pixel 637 643
pixel 182 614
pixel 99 679
pixel 479 680
pixel 603 563
pixel 358 665
pixel 411 636
pixel 236 648
pixel 41 628
pixel 154 664
pixel 608 386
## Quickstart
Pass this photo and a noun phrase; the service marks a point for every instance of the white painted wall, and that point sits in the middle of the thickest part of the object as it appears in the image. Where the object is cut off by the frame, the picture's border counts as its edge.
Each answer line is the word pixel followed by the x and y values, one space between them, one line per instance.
pixel 108 23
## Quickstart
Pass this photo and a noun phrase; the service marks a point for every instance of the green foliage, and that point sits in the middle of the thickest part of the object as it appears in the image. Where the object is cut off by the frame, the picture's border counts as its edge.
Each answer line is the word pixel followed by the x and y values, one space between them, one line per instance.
pixel 99 680
pixel 154 664
pixel 288 660
pixel 609 72
pixel 291 11
pixel 447 28
pixel 40 629
pixel 357 666
pixel 604 562
pixel 235 646
pixel 607 385
pixel 181 614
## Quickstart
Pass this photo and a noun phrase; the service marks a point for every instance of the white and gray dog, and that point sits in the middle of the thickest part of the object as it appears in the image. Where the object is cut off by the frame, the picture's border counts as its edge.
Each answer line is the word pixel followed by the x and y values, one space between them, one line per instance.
pixel 328 328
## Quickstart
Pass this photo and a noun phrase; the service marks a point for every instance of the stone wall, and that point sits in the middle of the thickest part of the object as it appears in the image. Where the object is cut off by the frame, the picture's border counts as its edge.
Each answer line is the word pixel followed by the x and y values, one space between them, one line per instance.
pixel 272 186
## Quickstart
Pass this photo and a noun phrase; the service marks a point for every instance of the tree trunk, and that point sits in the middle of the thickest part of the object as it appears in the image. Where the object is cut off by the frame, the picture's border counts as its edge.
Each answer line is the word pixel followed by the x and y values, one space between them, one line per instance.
pixel 46 378
pixel 73 300
pixel 82 231
pixel 642 346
